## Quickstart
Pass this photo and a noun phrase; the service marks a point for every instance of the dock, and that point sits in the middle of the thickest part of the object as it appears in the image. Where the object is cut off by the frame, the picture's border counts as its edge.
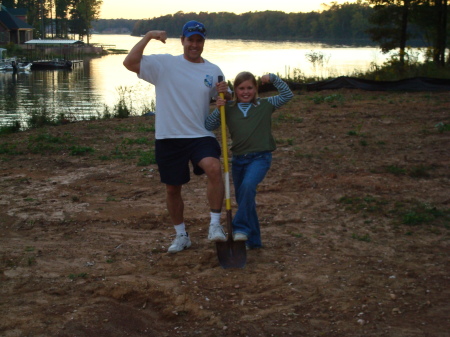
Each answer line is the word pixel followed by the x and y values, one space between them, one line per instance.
pixel 55 64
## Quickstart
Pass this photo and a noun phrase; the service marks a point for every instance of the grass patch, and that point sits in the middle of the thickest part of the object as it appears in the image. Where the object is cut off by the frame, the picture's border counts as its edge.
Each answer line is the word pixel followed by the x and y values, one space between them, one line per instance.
pixel 10 149
pixel 366 204
pixel 12 128
pixel 410 212
pixel 422 214
pixel 146 158
pixel 332 100
pixel 73 277
pixel 45 142
pixel 123 128
pixel 396 170
pixel 48 138
pixel 140 141
pixel 420 171
pixel 288 141
pixel 51 141
pixel 364 238
pixel 80 150
pixel 287 117
pixel 356 131
pixel 145 128
pixel 297 235
pixel 442 127
pixel 303 155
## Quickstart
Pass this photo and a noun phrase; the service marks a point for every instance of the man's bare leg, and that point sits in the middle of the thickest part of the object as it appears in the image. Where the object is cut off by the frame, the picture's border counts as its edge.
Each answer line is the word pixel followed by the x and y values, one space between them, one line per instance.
pixel 175 204
pixel 215 192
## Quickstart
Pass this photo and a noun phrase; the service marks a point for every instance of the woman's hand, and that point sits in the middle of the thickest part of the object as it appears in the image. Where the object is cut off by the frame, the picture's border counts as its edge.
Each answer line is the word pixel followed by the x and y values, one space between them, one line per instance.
pixel 220 102
pixel 222 87
pixel 265 79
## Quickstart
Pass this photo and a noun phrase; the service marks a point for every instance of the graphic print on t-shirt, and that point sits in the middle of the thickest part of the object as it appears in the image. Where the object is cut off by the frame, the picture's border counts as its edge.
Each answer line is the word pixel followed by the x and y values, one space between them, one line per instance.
pixel 208 81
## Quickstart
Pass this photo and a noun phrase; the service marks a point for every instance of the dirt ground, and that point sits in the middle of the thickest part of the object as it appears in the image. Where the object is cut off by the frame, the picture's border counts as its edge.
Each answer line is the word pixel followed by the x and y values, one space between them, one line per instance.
pixel 354 214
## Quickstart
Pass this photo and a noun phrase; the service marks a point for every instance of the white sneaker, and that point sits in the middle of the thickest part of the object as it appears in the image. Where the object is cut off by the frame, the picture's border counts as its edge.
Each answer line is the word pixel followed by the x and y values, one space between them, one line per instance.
pixel 216 233
pixel 239 237
pixel 182 241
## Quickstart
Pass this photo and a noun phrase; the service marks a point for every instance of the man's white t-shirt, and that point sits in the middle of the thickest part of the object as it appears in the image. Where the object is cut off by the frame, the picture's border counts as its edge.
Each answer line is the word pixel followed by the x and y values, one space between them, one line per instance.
pixel 183 92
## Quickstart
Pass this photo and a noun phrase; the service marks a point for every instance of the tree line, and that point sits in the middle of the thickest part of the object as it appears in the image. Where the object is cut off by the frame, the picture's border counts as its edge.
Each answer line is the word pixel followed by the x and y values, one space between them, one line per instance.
pixel 59 18
pixel 391 24
pixel 348 21
pixel 108 25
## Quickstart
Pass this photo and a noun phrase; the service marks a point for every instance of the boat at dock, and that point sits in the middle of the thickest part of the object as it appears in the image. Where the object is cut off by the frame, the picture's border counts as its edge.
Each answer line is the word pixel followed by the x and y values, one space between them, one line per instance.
pixel 51 64
pixel 7 64
pixel 12 64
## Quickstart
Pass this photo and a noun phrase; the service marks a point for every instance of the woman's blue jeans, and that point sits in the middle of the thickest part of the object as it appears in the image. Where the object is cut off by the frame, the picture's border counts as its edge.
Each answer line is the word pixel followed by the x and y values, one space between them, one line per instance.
pixel 248 171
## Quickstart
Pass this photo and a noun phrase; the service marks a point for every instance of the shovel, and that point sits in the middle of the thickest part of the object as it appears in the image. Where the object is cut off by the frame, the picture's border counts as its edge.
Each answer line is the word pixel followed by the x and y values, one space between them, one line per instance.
pixel 231 254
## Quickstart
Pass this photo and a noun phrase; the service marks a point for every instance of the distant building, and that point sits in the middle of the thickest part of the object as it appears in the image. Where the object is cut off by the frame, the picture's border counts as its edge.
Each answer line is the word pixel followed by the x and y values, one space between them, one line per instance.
pixel 13 26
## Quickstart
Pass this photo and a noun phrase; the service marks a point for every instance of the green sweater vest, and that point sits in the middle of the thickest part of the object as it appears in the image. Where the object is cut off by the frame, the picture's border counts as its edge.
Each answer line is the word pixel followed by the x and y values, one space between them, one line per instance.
pixel 254 132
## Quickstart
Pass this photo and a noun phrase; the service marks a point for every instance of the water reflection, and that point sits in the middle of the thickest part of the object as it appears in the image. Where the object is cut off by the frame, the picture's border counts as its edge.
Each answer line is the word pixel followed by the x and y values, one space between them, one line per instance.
pixel 100 82
pixel 51 91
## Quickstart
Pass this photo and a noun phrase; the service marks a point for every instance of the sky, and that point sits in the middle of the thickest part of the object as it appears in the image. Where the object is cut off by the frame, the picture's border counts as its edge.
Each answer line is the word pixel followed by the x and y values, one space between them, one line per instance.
pixel 148 9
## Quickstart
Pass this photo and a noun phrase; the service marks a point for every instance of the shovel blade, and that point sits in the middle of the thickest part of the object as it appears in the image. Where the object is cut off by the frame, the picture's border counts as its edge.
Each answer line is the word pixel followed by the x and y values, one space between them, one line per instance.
pixel 231 254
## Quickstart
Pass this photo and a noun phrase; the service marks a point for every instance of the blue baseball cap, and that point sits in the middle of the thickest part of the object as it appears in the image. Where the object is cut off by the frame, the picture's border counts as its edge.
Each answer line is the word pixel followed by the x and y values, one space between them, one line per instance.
pixel 194 27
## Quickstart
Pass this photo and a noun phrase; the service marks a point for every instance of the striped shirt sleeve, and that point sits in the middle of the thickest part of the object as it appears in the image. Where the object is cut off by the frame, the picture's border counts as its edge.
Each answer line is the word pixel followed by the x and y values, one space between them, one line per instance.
pixel 284 93
pixel 213 120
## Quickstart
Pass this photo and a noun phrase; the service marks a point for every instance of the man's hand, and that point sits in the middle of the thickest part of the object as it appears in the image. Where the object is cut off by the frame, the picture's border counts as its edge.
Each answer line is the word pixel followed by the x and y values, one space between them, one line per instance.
pixel 133 60
pixel 160 35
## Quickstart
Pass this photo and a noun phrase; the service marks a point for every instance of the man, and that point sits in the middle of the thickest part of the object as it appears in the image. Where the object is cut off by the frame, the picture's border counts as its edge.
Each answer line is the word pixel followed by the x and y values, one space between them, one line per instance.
pixel 184 85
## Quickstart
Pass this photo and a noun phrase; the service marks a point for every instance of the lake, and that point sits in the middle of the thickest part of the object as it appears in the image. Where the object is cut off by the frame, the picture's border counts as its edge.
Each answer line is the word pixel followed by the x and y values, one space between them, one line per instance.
pixel 99 83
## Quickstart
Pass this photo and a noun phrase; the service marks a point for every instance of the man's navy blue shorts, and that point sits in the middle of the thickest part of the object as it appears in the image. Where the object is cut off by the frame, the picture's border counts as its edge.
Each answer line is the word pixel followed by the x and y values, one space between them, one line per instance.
pixel 173 156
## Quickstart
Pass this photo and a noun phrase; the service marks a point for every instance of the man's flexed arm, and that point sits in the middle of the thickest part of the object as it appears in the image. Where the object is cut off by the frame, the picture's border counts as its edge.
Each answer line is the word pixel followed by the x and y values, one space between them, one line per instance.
pixel 133 60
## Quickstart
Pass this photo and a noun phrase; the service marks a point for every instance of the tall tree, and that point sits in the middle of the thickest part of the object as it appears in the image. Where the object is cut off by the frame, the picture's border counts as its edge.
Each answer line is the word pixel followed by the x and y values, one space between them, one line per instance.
pixel 61 18
pixel 390 25
pixel 34 14
pixel 83 12
pixel 432 18
pixel 442 28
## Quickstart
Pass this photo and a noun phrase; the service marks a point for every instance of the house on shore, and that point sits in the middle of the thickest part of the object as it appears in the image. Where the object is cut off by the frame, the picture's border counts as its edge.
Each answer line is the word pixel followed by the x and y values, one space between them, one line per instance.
pixel 15 29
pixel 13 26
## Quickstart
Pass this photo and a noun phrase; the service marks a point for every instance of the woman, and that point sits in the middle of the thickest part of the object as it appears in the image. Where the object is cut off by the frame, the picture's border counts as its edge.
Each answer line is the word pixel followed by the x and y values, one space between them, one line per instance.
pixel 249 121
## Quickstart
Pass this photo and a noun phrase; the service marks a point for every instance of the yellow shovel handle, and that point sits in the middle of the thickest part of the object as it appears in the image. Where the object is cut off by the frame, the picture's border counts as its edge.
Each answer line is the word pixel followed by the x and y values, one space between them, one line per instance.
pixel 225 155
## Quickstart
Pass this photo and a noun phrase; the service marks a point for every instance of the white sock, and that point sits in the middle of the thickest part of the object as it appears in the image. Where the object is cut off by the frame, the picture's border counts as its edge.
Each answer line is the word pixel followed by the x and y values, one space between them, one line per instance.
pixel 181 228
pixel 215 218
